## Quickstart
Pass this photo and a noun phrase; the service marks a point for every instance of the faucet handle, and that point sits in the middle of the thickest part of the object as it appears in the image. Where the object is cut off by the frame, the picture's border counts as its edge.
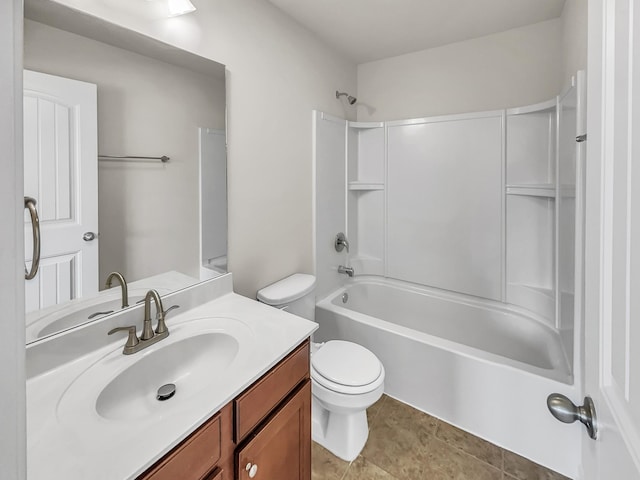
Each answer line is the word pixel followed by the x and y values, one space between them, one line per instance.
pixel 132 339
pixel 161 316
pixel 172 307
pixel 341 242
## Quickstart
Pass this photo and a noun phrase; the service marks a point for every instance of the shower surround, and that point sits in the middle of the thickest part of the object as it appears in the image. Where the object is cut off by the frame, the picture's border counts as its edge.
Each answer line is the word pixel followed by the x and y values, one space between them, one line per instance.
pixel 463 239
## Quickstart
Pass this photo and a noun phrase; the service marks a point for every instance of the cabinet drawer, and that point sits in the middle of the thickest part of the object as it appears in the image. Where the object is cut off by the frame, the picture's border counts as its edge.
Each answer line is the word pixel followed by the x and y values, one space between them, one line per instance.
pixel 255 404
pixel 192 459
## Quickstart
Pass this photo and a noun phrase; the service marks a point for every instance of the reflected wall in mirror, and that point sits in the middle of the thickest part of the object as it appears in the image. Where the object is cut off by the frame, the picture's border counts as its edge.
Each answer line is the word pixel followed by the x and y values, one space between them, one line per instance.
pixel 154 220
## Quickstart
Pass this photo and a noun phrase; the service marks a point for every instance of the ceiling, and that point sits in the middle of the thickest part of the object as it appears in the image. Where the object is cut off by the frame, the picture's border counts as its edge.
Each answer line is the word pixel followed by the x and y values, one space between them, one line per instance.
pixel 368 30
pixel 59 16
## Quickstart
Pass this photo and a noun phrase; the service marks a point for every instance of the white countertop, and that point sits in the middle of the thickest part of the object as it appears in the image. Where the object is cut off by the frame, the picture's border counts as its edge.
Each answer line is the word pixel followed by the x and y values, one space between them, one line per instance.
pixel 65 443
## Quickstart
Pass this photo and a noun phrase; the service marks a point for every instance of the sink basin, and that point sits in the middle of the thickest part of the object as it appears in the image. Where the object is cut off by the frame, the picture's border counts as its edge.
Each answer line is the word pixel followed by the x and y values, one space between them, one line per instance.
pixel 199 356
pixel 186 363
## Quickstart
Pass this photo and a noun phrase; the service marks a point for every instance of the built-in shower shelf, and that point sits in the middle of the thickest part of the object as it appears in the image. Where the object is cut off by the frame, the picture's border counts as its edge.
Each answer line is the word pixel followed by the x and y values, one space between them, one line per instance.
pixel 366 124
pixel 366 186
pixel 534 190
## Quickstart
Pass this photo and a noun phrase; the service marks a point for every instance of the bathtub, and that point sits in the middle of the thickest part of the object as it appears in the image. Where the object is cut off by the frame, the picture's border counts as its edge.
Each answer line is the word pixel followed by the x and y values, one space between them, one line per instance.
pixel 483 366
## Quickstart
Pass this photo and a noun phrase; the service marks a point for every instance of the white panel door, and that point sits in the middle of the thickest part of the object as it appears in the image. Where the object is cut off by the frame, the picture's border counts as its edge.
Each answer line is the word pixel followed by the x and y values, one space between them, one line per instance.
pixel 445 204
pixel 612 255
pixel 60 172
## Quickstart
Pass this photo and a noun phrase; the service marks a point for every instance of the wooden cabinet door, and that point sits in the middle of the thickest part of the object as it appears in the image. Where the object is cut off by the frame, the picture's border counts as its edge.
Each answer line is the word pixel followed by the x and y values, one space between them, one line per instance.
pixel 281 449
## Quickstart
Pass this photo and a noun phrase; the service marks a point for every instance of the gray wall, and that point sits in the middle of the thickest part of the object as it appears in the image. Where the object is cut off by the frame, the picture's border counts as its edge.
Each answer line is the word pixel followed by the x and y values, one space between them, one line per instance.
pixel 509 69
pixel 278 72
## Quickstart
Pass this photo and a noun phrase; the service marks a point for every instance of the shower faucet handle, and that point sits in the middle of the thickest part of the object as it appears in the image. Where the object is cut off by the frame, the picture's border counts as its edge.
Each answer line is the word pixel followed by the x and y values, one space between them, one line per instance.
pixel 341 242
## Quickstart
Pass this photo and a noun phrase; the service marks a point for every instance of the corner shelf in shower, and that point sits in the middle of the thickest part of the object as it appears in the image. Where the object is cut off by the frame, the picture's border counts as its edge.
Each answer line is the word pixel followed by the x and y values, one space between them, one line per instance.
pixel 365 125
pixel 534 190
pixel 366 186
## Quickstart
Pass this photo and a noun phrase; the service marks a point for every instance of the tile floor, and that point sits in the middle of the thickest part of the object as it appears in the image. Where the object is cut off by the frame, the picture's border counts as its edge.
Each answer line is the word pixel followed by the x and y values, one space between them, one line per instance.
pixel 406 444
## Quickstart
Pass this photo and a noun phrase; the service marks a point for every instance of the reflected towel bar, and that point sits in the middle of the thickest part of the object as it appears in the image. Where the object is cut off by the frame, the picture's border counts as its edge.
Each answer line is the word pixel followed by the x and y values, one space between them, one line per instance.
pixel 124 158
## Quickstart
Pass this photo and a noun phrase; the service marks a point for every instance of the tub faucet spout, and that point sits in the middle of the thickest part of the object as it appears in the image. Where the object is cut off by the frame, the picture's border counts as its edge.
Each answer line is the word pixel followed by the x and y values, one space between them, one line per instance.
pixel 346 270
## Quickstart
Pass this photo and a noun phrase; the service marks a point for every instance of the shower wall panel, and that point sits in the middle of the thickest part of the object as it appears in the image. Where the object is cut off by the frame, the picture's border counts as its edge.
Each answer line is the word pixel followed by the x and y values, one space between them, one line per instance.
pixel 330 210
pixel 569 194
pixel 445 203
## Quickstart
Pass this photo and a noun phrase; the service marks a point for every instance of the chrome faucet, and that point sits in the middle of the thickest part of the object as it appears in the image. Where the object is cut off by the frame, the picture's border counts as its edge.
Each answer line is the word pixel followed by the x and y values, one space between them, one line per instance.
pixel 347 270
pixel 148 337
pixel 123 286
pixel 147 329
pixel 341 242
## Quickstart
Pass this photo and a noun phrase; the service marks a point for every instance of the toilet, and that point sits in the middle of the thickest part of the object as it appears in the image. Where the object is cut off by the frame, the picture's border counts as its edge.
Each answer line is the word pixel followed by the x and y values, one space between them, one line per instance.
pixel 346 378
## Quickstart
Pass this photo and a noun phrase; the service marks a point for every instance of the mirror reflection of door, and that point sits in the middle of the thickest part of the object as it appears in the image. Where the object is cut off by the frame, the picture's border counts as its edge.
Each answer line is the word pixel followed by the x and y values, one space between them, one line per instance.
pixel 61 173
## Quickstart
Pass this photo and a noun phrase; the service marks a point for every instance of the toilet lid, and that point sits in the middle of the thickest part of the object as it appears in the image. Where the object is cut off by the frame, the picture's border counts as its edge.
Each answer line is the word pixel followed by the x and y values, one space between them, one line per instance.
pixel 346 363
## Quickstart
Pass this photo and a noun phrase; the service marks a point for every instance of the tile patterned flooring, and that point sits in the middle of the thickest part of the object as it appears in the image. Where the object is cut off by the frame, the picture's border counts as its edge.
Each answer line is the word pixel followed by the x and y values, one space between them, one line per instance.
pixel 406 444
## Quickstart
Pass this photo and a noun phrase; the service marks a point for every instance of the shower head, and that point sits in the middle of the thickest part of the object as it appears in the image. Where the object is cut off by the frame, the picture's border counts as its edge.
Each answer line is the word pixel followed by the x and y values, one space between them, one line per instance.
pixel 350 99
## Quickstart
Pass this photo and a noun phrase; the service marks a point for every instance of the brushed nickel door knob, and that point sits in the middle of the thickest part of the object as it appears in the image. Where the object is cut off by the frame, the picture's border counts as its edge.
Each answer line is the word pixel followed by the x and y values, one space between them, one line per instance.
pixel 567 412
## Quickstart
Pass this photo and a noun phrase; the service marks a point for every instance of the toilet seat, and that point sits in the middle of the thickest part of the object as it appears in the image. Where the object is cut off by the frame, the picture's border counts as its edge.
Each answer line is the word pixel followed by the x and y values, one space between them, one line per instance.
pixel 346 367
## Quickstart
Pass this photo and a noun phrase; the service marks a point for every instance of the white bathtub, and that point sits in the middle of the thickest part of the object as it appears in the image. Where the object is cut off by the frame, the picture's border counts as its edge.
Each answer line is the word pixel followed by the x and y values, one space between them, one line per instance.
pixel 483 366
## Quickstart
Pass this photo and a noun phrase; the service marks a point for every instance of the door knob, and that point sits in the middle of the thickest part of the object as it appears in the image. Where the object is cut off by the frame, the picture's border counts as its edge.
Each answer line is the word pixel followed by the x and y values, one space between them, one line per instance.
pixel 89 236
pixel 564 410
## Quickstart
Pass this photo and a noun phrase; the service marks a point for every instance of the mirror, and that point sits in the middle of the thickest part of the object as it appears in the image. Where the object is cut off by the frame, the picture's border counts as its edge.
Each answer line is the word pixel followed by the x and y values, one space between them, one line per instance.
pixel 161 224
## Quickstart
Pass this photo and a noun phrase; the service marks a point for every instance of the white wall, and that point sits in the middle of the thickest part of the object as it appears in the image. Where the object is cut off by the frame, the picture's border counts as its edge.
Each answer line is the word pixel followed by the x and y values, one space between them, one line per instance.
pixel 574 37
pixel 513 68
pixel 277 73
pixel 12 353
pixel 148 212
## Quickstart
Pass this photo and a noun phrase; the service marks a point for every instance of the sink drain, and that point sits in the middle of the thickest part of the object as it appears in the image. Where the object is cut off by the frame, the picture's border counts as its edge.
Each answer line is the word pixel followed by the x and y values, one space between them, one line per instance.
pixel 165 392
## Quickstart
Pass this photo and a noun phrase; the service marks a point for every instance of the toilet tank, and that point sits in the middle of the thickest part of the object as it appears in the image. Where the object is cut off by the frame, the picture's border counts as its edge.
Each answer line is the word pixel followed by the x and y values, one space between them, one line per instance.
pixel 294 294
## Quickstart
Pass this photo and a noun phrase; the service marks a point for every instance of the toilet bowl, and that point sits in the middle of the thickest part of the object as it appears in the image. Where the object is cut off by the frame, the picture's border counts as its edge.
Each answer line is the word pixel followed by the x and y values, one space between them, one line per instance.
pixel 340 396
pixel 346 378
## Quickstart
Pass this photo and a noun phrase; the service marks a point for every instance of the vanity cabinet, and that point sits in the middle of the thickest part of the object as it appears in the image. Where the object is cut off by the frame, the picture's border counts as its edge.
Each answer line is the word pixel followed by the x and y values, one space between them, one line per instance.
pixel 264 433
pixel 281 448
pixel 207 454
